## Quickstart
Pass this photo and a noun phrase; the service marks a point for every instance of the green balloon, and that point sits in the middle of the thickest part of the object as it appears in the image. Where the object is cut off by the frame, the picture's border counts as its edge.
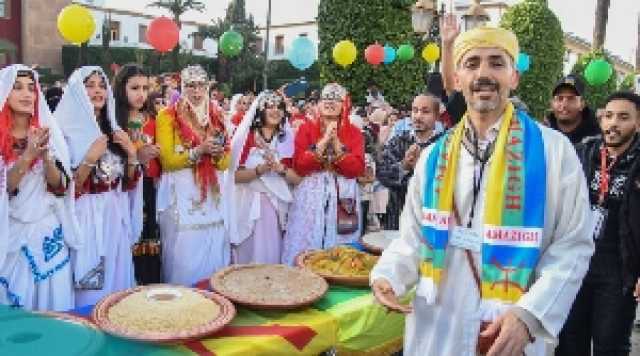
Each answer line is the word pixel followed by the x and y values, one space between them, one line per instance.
pixel 405 52
pixel 598 72
pixel 231 43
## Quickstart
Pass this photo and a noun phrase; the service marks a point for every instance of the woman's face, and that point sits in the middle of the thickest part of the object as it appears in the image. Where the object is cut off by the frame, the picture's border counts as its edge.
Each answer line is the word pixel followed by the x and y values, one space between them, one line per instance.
pixel 97 90
pixel 330 107
pixel 196 92
pixel 22 97
pixel 137 89
pixel 243 104
pixel 159 104
pixel 392 119
pixel 274 115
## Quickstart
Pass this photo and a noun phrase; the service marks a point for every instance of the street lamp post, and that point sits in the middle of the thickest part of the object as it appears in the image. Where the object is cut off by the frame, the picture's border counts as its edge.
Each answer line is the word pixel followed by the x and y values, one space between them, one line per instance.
pixel 423 14
pixel 425 19
pixel 476 16
pixel 266 49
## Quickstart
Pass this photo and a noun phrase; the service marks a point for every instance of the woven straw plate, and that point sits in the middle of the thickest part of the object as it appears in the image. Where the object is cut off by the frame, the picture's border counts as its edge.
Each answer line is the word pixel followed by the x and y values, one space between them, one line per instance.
pixel 101 312
pixel 307 285
pixel 345 280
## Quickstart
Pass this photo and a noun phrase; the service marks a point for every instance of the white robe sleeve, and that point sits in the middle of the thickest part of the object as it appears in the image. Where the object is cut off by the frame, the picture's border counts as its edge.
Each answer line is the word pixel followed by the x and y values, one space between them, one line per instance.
pixel 399 262
pixel 565 260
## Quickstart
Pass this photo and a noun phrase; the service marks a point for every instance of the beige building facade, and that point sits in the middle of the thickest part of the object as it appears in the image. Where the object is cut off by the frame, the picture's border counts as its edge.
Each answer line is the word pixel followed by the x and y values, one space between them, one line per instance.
pixel 41 41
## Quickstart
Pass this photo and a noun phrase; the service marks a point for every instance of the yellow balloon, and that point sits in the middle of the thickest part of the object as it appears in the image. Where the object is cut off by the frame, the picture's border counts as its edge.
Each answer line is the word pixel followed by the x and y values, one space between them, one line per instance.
pixel 431 53
pixel 76 24
pixel 345 53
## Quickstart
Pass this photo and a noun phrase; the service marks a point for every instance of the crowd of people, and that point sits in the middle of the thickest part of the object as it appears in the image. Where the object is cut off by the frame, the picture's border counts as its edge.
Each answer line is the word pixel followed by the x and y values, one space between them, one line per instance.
pixel 146 179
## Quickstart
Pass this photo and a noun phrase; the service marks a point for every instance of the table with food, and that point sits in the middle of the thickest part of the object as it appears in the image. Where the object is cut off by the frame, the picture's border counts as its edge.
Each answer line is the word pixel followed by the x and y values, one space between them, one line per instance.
pixel 322 305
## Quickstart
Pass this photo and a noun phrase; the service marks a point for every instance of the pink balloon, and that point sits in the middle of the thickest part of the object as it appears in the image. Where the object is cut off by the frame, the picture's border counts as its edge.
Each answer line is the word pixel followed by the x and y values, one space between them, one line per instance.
pixel 163 34
pixel 374 54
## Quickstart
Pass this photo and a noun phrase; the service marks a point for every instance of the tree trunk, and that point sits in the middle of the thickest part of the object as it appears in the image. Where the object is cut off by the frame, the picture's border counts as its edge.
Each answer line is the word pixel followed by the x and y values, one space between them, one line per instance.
pixel 638 47
pixel 176 50
pixel 600 27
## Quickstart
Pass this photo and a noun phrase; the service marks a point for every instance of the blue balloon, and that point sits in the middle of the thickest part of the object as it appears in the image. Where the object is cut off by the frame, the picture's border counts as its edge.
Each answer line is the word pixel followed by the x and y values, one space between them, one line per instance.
pixel 389 54
pixel 302 53
pixel 523 62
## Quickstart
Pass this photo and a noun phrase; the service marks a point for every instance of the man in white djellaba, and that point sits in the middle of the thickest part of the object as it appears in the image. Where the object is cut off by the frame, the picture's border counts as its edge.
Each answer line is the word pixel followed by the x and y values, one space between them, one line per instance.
pixel 496 233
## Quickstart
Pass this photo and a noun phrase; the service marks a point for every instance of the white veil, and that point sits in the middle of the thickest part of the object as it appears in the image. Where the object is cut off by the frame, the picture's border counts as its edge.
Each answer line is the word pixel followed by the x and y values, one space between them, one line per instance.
pixel 64 207
pixel 237 144
pixel 76 116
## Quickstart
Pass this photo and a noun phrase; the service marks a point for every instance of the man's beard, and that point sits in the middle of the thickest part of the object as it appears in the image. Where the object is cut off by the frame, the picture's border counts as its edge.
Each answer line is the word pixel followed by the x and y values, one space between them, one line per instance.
pixel 484 106
pixel 422 128
pixel 619 139
pixel 569 120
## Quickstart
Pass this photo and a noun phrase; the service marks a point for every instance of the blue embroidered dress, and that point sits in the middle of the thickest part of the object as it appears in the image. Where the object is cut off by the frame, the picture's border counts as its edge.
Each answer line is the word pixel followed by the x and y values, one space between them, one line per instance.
pixel 36 273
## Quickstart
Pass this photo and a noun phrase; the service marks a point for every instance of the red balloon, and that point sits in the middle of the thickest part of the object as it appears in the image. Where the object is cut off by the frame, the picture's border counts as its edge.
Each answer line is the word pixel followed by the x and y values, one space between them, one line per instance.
pixel 374 54
pixel 163 34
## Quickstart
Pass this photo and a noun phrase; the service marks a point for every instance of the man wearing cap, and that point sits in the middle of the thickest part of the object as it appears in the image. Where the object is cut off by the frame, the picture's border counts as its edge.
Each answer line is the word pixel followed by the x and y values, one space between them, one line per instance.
pixel 570 114
pixel 495 233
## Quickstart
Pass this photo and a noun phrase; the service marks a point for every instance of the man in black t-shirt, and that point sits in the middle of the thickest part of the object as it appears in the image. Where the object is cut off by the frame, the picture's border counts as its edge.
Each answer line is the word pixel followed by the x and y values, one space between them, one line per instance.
pixel 570 113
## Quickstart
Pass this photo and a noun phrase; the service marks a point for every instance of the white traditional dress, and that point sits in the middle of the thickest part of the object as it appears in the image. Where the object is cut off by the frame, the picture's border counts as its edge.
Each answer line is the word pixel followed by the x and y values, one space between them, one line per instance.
pixel 195 242
pixel 109 213
pixel 260 206
pixel 35 256
pixel 450 326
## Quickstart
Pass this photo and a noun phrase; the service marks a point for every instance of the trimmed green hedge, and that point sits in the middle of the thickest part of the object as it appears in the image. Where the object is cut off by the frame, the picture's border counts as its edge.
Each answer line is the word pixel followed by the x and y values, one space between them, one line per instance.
pixel 280 71
pixel 364 23
pixel 156 63
pixel 540 35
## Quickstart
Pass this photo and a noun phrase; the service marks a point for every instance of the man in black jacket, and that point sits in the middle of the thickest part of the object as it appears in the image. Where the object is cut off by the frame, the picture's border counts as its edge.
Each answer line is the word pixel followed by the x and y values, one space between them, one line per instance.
pixel 570 114
pixel 604 309
pixel 400 153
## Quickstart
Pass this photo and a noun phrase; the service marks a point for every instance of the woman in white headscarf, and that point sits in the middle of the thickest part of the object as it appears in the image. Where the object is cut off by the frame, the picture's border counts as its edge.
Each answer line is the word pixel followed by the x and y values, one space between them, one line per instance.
pixel 35 268
pixel 237 109
pixel 106 170
pixel 262 156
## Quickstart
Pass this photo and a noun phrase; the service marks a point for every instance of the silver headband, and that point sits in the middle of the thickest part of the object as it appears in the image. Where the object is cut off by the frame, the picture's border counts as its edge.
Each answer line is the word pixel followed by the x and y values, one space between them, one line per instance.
pixel 333 91
pixel 194 74
pixel 269 98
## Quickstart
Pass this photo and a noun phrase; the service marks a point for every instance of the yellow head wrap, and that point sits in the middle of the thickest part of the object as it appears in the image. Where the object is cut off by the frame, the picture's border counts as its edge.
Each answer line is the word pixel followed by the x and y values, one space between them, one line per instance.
pixel 485 37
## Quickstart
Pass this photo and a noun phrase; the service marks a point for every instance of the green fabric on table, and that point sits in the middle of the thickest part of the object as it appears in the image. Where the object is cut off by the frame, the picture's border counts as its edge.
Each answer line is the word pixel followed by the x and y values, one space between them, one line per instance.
pixel 340 294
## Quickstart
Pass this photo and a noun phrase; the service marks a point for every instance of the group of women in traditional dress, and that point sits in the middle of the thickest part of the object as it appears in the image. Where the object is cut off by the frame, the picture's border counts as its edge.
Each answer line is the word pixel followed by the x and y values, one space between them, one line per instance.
pixel 81 185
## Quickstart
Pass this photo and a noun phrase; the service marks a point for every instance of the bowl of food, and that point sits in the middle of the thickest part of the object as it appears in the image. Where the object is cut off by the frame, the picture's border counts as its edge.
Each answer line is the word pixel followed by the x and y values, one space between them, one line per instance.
pixel 339 265
pixel 163 313
pixel 269 287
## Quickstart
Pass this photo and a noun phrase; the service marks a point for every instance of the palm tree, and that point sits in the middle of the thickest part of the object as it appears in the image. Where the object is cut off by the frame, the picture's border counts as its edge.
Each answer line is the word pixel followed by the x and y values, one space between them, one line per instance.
pixel 178 8
pixel 600 27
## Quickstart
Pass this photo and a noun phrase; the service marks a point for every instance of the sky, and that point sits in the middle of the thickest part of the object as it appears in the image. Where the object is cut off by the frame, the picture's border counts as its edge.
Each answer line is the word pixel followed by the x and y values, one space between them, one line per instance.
pixel 576 16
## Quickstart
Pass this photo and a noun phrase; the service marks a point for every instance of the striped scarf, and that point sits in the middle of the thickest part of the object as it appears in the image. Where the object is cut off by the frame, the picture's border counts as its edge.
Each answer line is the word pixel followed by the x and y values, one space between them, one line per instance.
pixel 513 214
